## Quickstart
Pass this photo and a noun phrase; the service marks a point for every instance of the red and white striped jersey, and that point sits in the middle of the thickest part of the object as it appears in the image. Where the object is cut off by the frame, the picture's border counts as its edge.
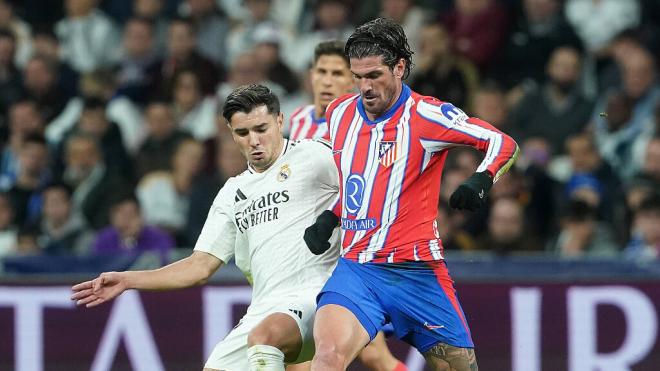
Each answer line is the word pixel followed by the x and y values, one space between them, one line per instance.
pixel 304 126
pixel 390 171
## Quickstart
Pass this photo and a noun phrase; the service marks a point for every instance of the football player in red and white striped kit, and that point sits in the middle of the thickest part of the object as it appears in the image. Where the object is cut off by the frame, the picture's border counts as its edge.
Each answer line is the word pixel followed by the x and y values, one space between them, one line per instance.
pixel 331 78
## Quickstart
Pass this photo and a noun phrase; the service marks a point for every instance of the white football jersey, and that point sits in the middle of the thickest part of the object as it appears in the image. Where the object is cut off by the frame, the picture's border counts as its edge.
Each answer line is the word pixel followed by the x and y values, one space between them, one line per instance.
pixel 260 218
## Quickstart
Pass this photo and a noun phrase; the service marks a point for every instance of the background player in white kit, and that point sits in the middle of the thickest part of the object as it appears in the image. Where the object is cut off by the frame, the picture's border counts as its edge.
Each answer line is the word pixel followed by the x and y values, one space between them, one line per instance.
pixel 259 217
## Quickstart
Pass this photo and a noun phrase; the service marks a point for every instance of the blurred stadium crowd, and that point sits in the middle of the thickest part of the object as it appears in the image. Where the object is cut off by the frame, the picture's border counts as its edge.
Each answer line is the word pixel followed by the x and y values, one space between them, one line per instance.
pixel 111 141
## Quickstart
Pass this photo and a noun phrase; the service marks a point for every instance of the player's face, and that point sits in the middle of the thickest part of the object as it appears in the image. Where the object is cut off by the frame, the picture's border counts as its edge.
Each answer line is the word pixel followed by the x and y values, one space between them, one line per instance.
pixel 331 78
pixel 259 136
pixel 378 84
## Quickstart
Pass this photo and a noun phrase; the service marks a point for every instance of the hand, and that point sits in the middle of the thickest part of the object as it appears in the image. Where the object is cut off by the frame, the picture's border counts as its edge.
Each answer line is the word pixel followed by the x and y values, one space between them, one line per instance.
pixel 318 234
pixel 104 288
pixel 473 193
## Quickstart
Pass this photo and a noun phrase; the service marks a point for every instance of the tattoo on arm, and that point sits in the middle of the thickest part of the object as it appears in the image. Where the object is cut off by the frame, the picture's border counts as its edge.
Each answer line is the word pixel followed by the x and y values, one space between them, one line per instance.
pixel 458 359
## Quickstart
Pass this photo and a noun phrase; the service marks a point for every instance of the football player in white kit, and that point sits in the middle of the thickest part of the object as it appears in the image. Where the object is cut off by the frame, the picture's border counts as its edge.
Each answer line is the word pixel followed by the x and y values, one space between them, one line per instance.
pixel 258 218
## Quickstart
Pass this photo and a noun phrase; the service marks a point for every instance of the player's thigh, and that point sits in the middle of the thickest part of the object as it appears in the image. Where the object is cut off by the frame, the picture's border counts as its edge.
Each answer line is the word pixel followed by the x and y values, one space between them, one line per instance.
pixel 337 329
pixel 280 330
pixel 445 357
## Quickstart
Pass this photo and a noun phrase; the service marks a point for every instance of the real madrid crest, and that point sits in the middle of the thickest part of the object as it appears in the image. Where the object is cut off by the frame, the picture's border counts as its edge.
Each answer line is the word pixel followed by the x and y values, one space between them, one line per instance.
pixel 284 173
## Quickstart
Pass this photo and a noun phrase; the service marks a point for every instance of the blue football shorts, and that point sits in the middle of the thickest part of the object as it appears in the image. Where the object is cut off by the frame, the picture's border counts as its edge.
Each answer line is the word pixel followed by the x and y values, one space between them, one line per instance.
pixel 417 298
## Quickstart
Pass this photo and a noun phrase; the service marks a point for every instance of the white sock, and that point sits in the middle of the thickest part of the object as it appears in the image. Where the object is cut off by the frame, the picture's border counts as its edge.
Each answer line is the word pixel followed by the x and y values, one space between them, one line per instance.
pixel 265 358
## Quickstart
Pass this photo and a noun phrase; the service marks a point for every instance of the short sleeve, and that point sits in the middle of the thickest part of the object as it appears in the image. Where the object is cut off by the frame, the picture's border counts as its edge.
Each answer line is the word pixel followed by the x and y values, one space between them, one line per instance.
pixel 218 235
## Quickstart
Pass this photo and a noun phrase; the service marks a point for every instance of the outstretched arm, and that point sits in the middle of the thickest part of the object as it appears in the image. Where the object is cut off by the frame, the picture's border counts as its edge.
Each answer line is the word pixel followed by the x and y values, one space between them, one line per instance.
pixel 193 270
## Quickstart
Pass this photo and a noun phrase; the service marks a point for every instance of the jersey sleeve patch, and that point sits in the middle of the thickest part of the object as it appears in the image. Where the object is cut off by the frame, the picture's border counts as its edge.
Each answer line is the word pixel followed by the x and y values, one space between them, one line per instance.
pixel 441 113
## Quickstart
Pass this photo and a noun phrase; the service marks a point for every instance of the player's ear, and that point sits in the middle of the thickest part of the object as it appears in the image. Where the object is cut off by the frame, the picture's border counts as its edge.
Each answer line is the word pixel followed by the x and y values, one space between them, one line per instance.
pixel 400 68
pixel 280 121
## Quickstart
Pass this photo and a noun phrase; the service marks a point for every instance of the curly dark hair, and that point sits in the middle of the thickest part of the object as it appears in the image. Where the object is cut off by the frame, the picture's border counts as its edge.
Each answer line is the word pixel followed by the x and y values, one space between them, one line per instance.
pixel 384 37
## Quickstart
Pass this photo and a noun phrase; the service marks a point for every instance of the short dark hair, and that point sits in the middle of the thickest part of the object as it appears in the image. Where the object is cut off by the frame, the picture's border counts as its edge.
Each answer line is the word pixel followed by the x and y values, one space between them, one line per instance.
pixel 35 138
pixel 580 211
pixel 68 190
pixel 381 37
pixel 330 47
pixel 248 97
pixel 650 204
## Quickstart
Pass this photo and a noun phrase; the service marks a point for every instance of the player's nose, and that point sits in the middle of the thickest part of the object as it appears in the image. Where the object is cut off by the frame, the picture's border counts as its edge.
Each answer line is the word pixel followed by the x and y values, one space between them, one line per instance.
pixel 254 139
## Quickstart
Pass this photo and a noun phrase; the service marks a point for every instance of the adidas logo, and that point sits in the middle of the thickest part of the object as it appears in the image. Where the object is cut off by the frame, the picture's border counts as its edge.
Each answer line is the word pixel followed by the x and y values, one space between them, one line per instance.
pixel 240 196
pixel 296 312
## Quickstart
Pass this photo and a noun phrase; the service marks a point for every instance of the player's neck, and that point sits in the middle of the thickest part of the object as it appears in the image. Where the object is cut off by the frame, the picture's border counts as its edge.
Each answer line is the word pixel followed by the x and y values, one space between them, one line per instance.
pixel 319 112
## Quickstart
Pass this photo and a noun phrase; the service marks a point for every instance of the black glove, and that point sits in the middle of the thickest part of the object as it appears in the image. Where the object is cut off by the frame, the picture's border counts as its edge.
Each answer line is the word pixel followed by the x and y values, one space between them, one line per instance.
pixel 317 235
pixel 472 194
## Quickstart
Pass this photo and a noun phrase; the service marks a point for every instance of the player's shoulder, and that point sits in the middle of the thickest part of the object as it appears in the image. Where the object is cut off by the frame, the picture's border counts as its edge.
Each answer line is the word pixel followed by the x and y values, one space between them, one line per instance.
pixel 302 112
pixel 438 111
pixel 311 145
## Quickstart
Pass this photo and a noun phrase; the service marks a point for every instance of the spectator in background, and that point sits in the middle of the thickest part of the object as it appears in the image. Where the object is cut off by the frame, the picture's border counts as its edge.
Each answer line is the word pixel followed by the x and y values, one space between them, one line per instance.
pixel 152 10
pixel 8 232
pixel 644 246
pixel 585 161
pixel 194 112
pixel 94 123
pixel 506 229
pixel 410 16
pixel 536 34
pixel 62 231
pixel 557 109
pixel 450 229
pixel 24 120
pixel 163 137
pixel 33 174
pixel 583 235
pixel 489 104
pixel 89 39
pixel 477 29
pixel 139 68
pixel 182 55
pixel 629 111
pixel 93 185
pixel 100 85
pixel 129 234
pixel 229 162
pixel 651 165
pixel 20 29
pixel 597 22
pixel 268 44
pixel 239 38
pixel 40 81
pixel 26 241
pixel 211 28
pixel 245 70
pixel 46 45
pixel 165 196
pixel 331 22
pixel 10 78
pixel 441 73
pixel 541 207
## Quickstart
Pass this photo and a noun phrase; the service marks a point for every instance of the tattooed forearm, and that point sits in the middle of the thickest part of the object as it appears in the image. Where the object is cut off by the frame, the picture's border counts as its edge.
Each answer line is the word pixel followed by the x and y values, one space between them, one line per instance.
pixel 447 357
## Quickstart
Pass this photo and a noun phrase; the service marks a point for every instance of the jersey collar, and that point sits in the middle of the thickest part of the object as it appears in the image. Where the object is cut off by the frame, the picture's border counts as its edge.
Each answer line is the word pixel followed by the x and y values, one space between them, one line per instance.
pixel 403 97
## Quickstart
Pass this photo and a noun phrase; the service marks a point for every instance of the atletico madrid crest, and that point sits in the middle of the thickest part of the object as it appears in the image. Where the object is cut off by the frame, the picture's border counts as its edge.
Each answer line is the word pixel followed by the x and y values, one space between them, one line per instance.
pixel 388 153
